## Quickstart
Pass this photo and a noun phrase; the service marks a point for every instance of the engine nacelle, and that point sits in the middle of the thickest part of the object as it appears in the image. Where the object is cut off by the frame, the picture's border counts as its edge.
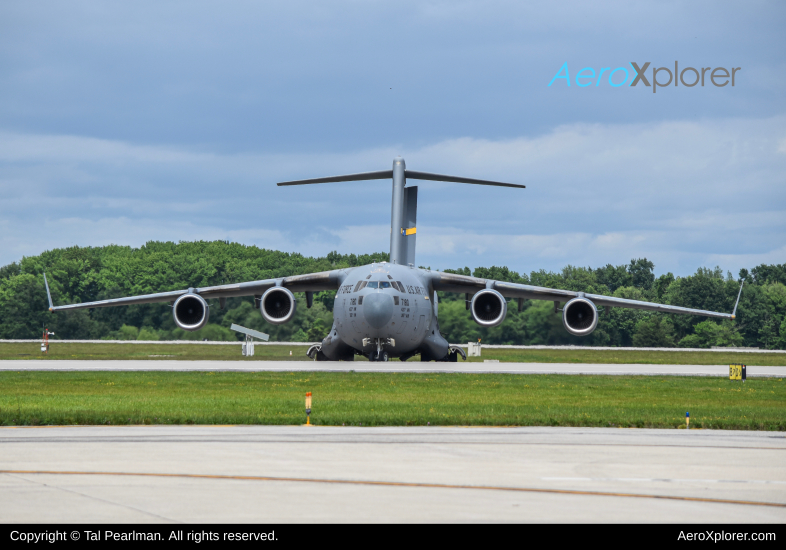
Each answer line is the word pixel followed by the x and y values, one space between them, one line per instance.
pixel 580 317
pixel 277 305
pixel 488 308
pixel 191 312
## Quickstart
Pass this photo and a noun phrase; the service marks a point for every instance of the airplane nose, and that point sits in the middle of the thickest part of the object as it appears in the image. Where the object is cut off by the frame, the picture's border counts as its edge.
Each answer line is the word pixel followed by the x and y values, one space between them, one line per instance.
pixel 378 309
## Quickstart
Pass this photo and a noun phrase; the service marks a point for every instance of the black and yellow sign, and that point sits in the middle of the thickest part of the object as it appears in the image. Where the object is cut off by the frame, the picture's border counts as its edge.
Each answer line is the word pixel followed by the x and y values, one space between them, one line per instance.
pixel 737 372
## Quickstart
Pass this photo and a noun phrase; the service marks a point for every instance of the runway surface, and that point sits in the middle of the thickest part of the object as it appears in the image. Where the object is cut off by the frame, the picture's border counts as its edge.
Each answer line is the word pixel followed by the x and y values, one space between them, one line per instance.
pixel 336 474
pixel 391 366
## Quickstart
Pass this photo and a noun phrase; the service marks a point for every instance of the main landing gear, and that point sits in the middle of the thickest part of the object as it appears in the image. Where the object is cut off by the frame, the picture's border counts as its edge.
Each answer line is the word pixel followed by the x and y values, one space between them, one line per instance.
pixel 315 353
pixel 453 353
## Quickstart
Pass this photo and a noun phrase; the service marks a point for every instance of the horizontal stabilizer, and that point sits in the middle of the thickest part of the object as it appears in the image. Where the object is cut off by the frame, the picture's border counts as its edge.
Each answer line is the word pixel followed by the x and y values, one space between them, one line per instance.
pixel 411 174
pixel 383 175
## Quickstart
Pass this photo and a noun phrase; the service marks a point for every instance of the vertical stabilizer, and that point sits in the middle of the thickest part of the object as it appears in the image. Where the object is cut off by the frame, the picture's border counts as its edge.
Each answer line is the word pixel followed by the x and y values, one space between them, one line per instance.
pixel 409 229
pixel 404 202
pixel 398 252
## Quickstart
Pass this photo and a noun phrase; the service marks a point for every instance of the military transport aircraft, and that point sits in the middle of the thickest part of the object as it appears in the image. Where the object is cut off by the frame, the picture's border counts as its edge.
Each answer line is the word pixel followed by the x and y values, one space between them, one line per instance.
pixel 389 309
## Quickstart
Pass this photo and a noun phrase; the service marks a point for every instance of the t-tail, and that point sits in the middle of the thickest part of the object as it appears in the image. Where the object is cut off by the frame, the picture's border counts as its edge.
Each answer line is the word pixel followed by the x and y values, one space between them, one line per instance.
pixel 404 205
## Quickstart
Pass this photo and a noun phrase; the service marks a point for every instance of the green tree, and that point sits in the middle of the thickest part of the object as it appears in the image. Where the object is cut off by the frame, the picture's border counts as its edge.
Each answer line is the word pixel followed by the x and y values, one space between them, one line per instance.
pixel 500 274
pixel 642 273
pixel 620 324
pixel 148 334
pixel 79 274
pixel 125 332
pixel 613 277
pixel 211 332
pixel 661 285
pixel 707 289
pixel 317 331
pixel 710 334
pixel 654 332
pixel 771 314
pixel 764 274
pixel 23 307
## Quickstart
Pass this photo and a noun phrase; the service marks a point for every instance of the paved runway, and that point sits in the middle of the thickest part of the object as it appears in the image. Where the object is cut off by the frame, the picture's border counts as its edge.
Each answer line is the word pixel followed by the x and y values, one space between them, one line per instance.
pixel 335 474
pixel 391 366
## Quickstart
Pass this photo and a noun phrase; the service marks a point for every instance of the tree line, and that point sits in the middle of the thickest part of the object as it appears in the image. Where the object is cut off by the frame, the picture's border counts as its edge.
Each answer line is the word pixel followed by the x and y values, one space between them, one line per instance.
pixel 81 274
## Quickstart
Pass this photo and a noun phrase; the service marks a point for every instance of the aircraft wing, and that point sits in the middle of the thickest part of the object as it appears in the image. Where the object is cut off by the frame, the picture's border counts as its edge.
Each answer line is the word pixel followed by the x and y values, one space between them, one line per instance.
pixel 311 282
pixel 449 282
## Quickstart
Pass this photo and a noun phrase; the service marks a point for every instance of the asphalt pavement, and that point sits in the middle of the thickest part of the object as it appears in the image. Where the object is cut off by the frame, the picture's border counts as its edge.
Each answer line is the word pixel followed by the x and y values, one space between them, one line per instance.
pixel 349 474
pixel 390 366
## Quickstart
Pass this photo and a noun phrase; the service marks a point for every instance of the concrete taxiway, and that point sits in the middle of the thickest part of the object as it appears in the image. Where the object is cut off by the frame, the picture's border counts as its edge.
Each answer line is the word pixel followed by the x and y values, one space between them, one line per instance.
pixel 390 366
pixel 333 474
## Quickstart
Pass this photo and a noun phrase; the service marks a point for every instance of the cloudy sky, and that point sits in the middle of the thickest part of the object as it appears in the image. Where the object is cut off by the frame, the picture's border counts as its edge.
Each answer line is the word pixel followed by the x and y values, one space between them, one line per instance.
pixel 123 122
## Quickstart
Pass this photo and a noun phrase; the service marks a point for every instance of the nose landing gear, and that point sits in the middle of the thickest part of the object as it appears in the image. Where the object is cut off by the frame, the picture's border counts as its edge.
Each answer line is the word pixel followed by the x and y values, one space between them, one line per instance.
pixel 379 354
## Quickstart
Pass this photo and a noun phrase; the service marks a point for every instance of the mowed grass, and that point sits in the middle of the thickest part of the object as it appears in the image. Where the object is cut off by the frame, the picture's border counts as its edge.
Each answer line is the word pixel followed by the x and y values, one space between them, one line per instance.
pixel 153 352
pixel 189 352
pixel 389 399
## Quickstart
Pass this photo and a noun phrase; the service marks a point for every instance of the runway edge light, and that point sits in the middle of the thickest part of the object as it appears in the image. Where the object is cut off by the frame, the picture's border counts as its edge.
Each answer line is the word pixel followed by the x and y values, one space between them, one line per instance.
pixel 687 420
pixel 308 408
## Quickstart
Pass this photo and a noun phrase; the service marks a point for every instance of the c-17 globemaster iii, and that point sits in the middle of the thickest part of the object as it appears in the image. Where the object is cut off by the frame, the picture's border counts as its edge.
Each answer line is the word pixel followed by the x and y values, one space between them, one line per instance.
pixel 389 309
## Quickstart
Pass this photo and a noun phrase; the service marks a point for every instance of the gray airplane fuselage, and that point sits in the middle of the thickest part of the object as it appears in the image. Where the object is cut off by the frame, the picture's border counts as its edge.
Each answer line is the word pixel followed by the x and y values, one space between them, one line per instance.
pixel 385 307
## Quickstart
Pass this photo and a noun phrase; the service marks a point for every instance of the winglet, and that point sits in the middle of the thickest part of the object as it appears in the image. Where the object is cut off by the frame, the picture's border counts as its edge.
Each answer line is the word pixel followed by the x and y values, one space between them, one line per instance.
pixel 733 316
pixel 48 295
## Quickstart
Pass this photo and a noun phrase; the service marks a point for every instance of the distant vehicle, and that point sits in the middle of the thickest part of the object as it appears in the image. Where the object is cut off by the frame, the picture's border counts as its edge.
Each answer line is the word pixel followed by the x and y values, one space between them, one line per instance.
pixel 389 309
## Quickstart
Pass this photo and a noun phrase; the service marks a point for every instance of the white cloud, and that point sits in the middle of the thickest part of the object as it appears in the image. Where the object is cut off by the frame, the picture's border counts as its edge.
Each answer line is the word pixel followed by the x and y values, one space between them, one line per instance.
pixel 683 194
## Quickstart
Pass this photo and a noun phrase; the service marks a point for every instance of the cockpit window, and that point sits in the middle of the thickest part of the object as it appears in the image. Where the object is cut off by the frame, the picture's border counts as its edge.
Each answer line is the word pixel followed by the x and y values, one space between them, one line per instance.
pixel 378 284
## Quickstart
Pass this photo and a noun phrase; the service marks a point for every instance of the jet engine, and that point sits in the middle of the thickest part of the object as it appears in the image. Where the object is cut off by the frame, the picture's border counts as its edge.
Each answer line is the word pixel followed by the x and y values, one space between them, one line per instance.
pixel 277 305
pixel 191 312
pixel 488 308
pixel 580 317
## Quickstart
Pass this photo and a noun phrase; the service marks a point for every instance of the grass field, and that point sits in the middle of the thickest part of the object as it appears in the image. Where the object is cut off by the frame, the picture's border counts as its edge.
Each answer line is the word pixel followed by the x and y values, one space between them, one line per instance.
pixel 389 399
pixel 266 353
